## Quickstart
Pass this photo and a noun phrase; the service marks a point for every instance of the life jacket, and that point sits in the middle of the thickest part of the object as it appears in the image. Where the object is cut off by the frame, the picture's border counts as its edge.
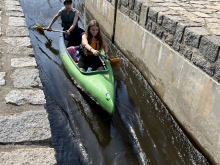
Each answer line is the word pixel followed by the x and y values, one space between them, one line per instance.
pixel 95 45
pixel 67 19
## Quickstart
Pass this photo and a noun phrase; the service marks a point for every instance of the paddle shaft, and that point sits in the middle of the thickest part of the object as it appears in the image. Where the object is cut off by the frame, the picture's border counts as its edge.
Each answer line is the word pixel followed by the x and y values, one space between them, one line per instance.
pixel 55 30
pixel 103 63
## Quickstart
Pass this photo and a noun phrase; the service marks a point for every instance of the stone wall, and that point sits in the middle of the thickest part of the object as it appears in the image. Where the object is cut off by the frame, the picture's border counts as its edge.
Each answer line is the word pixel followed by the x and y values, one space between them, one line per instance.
pixel 175 45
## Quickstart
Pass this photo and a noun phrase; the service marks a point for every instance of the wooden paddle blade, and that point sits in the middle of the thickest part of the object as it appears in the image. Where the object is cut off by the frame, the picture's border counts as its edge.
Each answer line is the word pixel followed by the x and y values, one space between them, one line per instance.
pixel 114 60
pixel 40 29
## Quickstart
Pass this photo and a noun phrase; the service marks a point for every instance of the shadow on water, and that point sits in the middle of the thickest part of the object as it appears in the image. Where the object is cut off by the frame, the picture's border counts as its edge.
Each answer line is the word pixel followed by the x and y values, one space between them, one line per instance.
pixel 140 132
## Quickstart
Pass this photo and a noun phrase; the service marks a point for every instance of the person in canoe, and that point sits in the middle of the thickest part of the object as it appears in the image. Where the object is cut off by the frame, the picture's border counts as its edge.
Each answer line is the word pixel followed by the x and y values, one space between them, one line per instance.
pixel 93 41
pixel 69 17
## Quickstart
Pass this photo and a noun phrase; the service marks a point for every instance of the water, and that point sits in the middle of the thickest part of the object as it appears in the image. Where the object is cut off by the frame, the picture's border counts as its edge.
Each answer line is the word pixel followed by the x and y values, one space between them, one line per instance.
pixel 141 131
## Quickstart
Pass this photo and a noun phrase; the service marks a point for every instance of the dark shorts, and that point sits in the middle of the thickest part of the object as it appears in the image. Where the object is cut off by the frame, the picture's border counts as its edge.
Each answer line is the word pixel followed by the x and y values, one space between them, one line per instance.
pixel 89 61
pixel 75 34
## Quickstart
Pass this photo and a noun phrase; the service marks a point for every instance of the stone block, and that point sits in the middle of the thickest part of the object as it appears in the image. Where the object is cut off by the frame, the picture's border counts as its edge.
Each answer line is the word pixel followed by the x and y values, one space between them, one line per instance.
pixel 157 30
pixel 209 47
pixel 137 6
pixel 18 41
pixel 217 70
pixel 20 97
pixel 192 35
pixel 17 32
pixel 153 12
pixel 131 4
pixel 161 15
pixel 26 78
pixel 20 51
pixel 13 8
pixel 17 21
pixel 203 64
pixel 149 26
pixel 25 127
pixel 203 15
pixel 168 38
pixel 125 10
pixel 124 3
pixel 186 52
pixel 2 80
pixel 15 14
pixel 134 16
pixel 144 13
pixel 23 62
pixel 170 22
pixel 29 156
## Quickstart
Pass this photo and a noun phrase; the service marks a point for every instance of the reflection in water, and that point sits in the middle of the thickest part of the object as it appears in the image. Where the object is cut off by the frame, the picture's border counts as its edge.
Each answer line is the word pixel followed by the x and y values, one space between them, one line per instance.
pixel 140 132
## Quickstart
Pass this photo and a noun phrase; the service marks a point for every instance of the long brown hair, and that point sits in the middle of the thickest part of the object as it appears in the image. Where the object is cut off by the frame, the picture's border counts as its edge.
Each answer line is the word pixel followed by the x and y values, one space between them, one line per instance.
pixel 98 36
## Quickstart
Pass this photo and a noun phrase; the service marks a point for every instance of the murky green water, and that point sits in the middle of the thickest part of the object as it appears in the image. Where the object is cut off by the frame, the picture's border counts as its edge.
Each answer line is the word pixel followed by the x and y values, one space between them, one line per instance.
pixel 142 131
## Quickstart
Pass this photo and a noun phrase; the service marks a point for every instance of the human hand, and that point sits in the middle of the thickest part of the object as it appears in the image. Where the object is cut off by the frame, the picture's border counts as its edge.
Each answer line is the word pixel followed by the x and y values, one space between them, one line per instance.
pixel 67 32
pixel 95 52
pixel 48 28
pixel 106 57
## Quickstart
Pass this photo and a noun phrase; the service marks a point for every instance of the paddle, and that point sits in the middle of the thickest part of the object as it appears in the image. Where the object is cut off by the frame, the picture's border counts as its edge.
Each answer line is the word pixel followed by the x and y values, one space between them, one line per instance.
pixel 103 63
pixel 41 30
pixel 114 60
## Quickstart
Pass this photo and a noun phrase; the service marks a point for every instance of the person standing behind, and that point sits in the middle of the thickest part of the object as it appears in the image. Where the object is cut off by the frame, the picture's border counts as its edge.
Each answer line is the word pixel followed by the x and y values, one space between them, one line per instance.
pixel 69 17
pixel 93 41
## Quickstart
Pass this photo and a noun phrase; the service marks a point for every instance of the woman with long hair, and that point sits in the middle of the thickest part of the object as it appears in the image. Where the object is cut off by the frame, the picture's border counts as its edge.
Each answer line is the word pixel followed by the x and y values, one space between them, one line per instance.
pixel 93 41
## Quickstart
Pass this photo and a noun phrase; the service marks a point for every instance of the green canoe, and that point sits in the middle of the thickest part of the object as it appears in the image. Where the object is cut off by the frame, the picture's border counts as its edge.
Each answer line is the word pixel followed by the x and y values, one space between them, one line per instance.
pixel 99 85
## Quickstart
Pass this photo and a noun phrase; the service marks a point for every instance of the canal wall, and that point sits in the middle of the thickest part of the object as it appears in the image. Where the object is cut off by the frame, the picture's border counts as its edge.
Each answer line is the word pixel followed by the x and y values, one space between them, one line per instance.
pixel 25 133
pixel 175 45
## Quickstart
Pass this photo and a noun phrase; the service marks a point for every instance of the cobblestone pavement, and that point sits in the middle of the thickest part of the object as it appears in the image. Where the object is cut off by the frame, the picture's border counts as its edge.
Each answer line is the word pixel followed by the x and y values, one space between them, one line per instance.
pixel 25 134
pixel 205 12
pixel 190 27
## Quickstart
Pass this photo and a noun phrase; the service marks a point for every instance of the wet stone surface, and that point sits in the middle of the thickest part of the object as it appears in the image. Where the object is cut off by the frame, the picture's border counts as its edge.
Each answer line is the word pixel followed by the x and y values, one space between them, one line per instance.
pixel 25 127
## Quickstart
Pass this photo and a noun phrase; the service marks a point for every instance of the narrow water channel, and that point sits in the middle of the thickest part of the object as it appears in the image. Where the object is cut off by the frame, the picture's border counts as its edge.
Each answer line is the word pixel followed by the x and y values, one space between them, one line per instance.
pixel 141 131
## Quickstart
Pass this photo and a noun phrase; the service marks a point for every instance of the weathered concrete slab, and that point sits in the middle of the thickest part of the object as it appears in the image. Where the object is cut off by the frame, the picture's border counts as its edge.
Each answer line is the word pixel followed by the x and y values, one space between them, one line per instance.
pixel 2 80
pixel 44 156
pixel 23 62
pixel 19 97
pixel 25 127
pixel 26 78
pixel 17 32
pixel 15 14
pixel 20 51
pixel 16 21
pixel 18 41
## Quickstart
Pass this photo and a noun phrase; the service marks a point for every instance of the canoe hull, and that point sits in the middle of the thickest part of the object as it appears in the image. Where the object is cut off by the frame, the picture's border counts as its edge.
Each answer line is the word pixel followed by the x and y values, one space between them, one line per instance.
pixel 99 85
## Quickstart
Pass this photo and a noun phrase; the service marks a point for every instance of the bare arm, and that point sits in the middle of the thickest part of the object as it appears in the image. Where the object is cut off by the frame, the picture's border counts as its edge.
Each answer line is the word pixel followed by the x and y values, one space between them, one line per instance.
pixel 87 46
pixel 75 20
pixel 54 19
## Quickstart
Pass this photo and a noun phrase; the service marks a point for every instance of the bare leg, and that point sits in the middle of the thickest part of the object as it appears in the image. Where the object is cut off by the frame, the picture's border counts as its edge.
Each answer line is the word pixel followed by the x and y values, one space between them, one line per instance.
pixel 82 69
pixel 66 43
pixel 100 68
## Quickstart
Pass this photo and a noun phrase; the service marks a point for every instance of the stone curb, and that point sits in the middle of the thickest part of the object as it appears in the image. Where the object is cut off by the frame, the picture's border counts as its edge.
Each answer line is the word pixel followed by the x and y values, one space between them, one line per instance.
pixel 27 122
